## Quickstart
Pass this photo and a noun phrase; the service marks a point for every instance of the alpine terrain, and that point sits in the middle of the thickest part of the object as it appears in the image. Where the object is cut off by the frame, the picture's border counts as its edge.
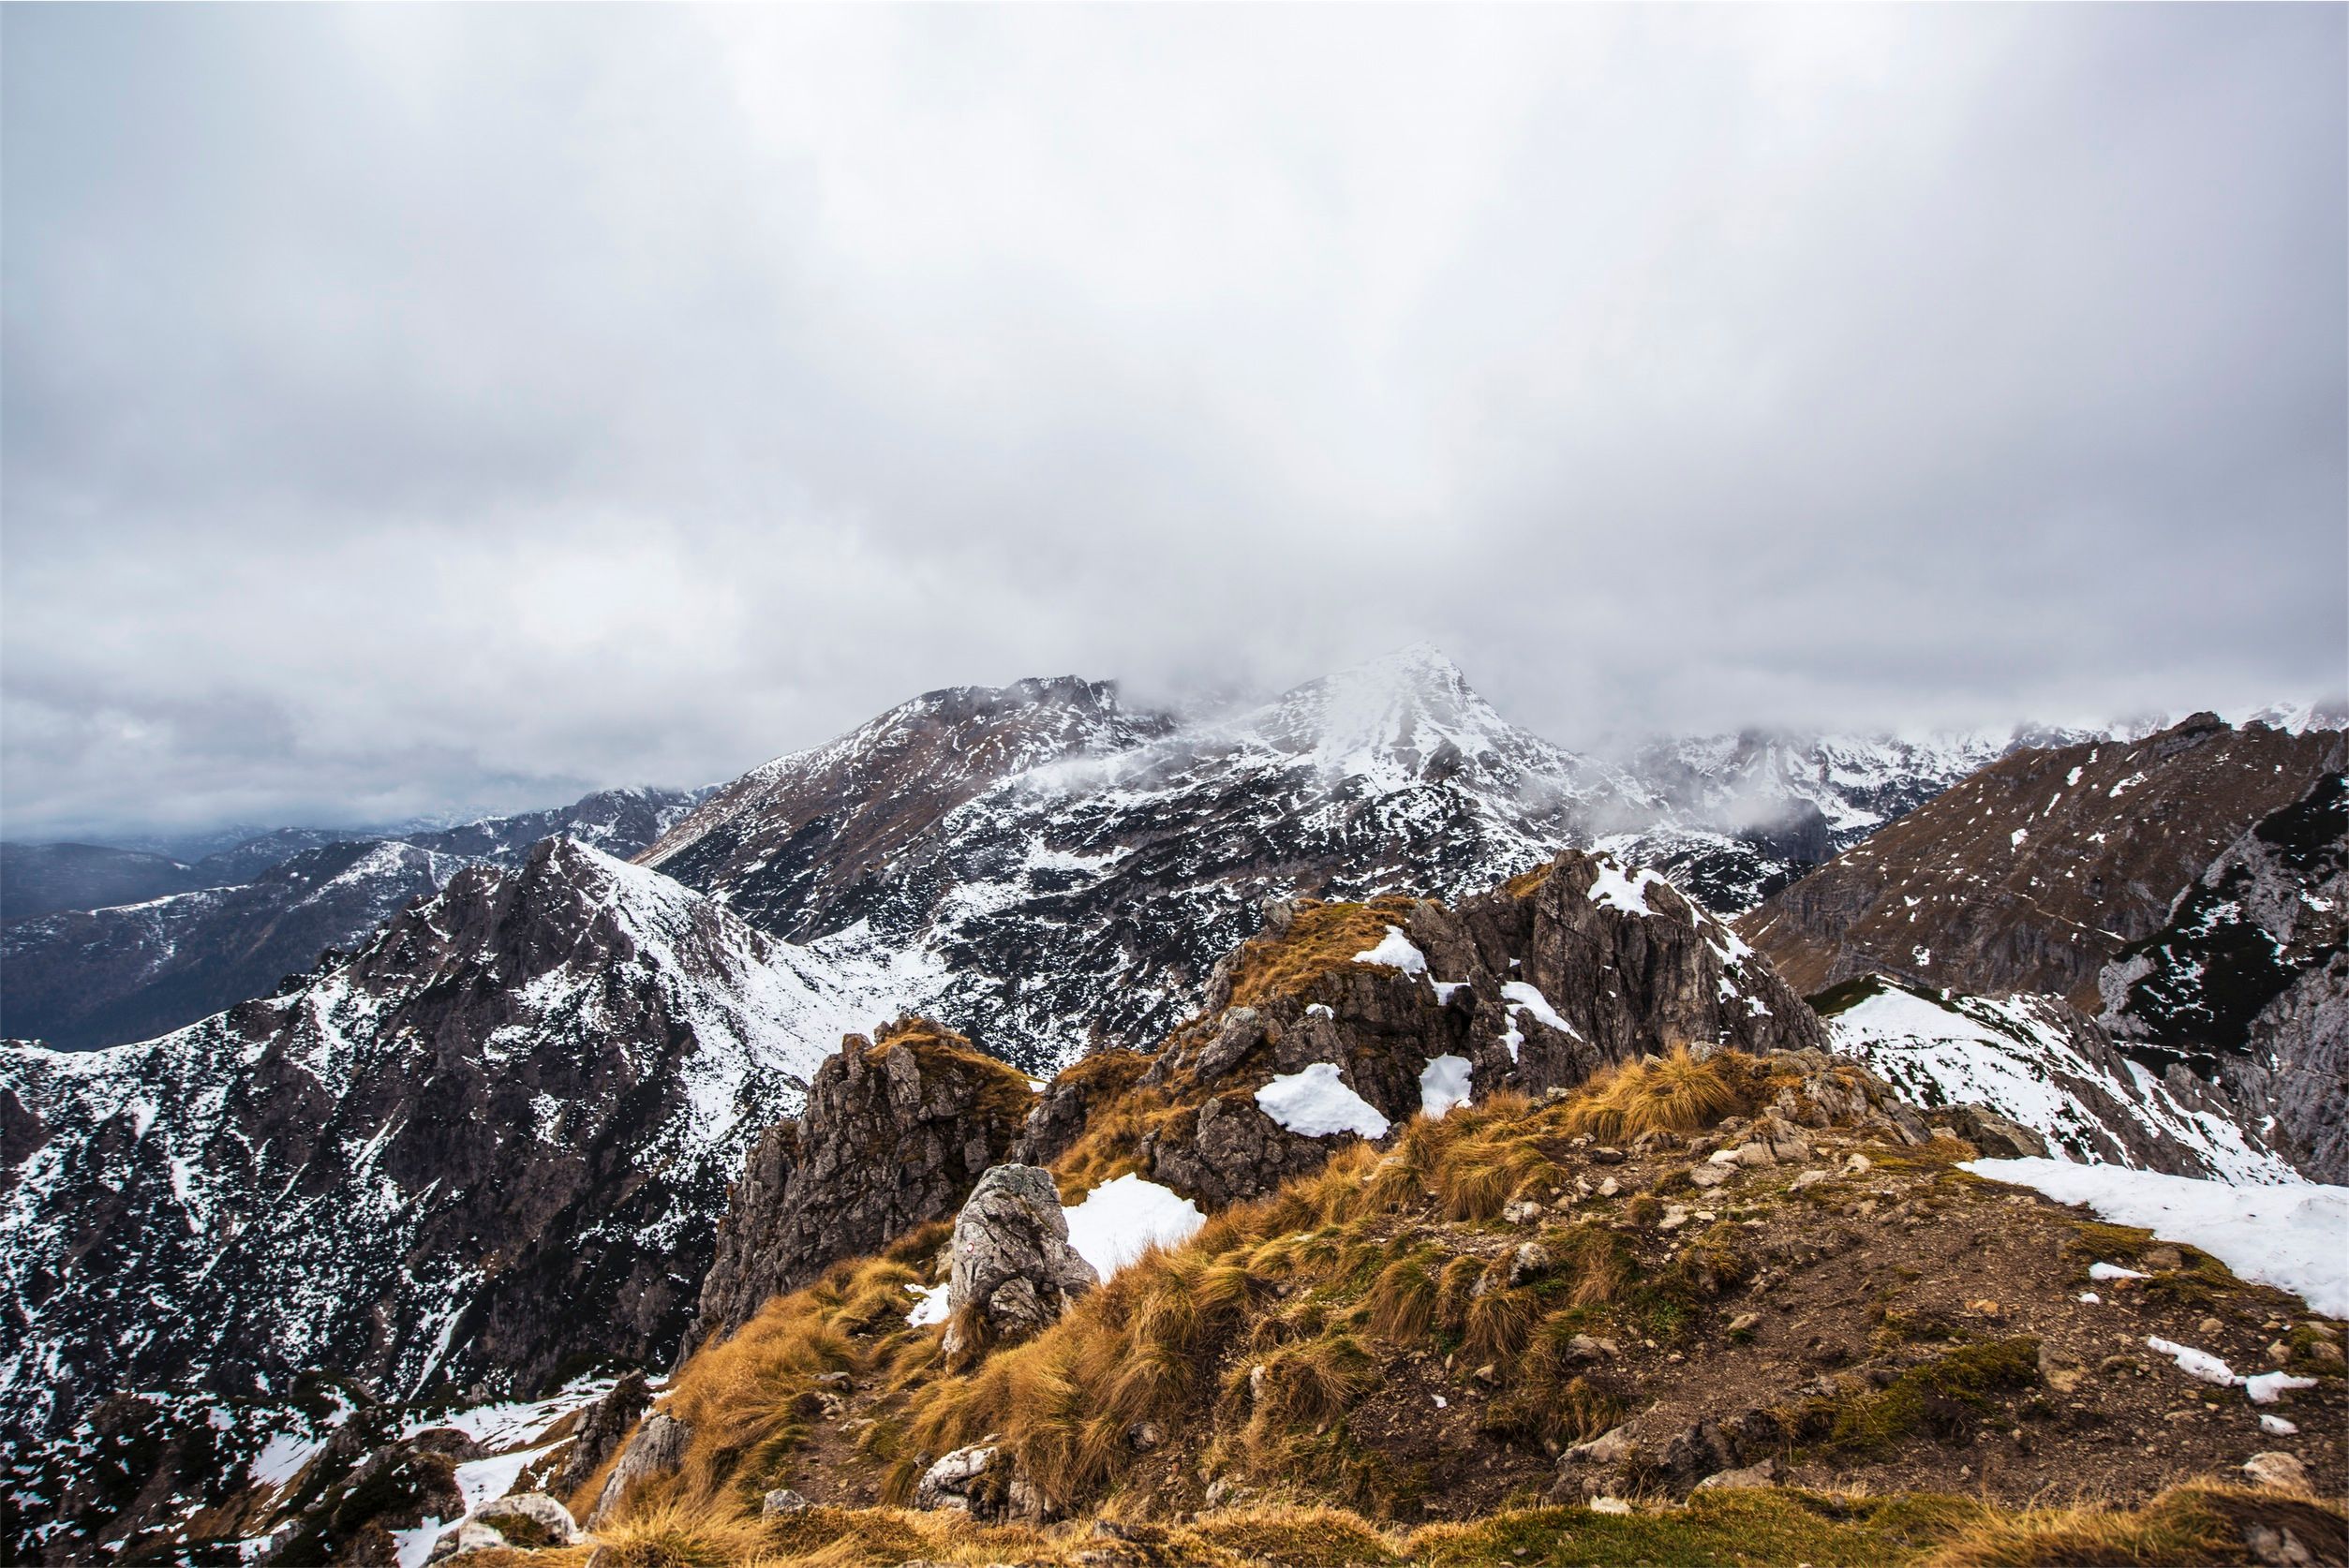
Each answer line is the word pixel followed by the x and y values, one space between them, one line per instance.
pixel 1350 1128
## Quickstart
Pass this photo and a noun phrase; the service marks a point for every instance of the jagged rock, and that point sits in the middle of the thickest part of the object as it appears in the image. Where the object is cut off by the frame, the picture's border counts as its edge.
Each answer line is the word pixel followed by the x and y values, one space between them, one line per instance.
pixel 656 1449
pixel 983 1481
pixel 894 1135
pixel 530 1519
pixel 603 1428
pixel 2247 982
pixel 783 1499
pixel 1228 1150
pixel 1014 1271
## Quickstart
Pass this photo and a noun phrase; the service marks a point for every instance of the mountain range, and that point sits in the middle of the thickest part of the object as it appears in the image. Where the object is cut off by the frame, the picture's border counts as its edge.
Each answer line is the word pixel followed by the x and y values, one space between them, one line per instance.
pixel 464 1115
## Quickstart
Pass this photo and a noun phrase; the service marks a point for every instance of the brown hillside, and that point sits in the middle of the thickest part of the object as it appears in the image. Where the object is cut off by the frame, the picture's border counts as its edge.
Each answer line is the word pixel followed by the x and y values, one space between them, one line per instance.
pixel 1396 1356
pixel 2034 872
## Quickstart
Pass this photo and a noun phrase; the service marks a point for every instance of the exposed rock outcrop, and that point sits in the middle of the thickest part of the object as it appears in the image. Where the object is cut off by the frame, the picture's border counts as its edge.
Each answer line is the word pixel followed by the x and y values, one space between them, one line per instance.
pixel 1014 1272
pixel 658 1448
pixel 983 1481
pixel 2247 982
pixel 603 1428
pixel 894 1134
pixel 1533 986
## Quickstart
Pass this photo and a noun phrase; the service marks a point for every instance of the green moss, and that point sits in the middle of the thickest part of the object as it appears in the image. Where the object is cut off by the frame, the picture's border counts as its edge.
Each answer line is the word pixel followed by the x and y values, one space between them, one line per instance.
pixel 1716 1528
pixel 1943 1398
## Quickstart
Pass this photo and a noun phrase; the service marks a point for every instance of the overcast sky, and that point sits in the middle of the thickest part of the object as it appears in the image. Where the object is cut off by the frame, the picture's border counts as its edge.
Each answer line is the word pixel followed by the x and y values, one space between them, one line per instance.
pixel 432 408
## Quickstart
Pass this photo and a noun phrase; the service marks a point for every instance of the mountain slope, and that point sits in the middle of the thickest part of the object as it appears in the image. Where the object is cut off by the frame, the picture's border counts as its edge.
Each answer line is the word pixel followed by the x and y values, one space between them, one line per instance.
pixel 37 879
pixel 2036 871
pixel 494 1140
pixel 2044 1064
pixel 262 911
pixel 1085 897
pixel 2247 979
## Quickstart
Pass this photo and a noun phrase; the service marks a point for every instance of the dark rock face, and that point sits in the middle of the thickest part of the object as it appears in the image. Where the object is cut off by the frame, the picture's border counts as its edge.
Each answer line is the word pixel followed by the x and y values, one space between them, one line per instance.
pixel 2034 873
pixel 2247 982
pixel 493 1141
pixel 895 1135
pixel 236 925
pixel 1014 1271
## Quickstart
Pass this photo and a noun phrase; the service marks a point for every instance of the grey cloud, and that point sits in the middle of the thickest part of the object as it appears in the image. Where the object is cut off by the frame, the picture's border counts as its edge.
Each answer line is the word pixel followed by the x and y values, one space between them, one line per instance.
pixel 444 407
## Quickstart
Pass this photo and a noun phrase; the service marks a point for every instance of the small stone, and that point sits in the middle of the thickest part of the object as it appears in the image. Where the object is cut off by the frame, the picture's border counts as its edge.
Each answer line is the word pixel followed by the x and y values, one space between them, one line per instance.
pixel 2278 1470
pixel 1609 1505
pixel 1606 1157
pixel 1763 1474
pixel 1807 1180
pixel 2279 1353
pixel 2324 1351
pixel 783 1499
pixel 1858 1164
pixel 2210 1327
pixel 1743 1323
pixel 1675 1216
pixel 1487 1373
pixel 1608 1187
pixel 1609 1447
pixel 1530 1261
pixel 1756 1154
pixel 1722 1156
pixel 1708 1175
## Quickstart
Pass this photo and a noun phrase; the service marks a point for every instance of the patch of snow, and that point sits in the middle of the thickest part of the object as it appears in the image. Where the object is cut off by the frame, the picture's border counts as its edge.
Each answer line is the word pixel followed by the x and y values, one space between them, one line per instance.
pixel 2091 1298
pixel 1519 993
pixel 2286 1235
pixel 1122 1219
pixel 2276 1425
pixel 1445 990
pixel 415 1545
pixel 486 1480
pixel 2194 1363
pixel 1395 951
pixel 1443 1084
pixel 929 1307
pixel 1317 1102
pixel 2268 1387
pixel 2102 1272
pixel 1613 888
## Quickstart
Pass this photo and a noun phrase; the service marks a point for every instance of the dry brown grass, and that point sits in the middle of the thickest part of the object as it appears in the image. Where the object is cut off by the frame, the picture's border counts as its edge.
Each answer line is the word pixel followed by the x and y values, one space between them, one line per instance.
pixel 1003 1089
pixel 1675 1094
pixel 1320 937
pixel 2184 1527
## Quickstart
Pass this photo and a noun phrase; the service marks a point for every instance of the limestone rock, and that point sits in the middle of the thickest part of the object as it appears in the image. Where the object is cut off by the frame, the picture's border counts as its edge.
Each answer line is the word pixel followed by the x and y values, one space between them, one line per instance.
pixel 981 1480
pixel 603 1428
pixel 530 1519
pixel 656 1449
pixel 783 1499
pixel 2278 1470
pixel 894 1135
pixel 1014 1271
